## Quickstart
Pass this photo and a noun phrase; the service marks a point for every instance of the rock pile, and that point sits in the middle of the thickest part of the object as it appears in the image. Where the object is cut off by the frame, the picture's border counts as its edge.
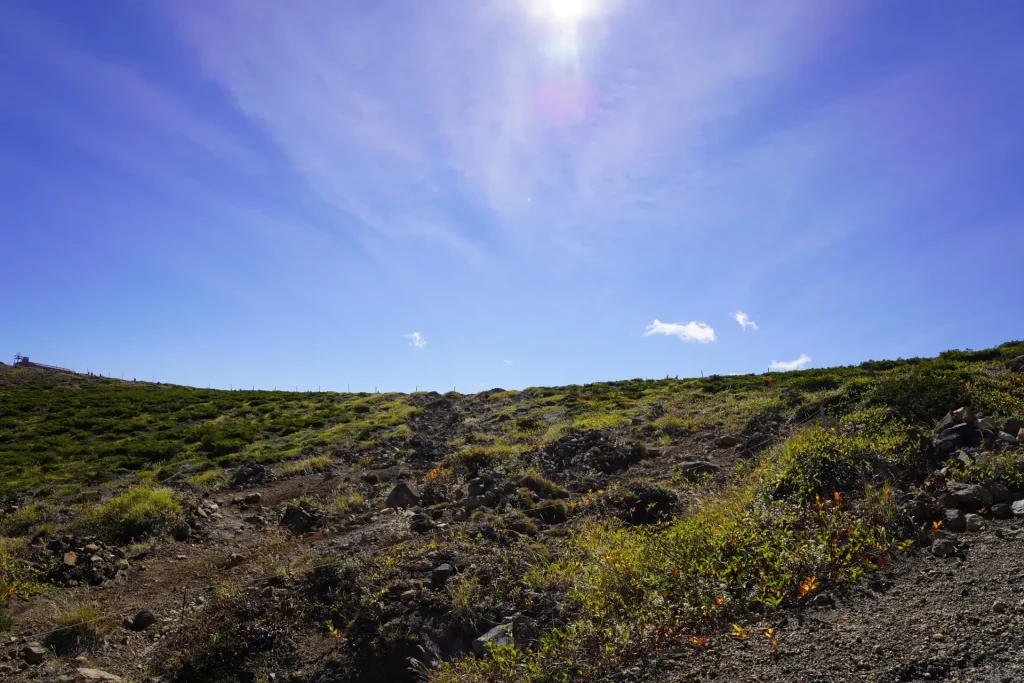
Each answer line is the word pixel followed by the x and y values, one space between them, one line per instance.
pixel 76 561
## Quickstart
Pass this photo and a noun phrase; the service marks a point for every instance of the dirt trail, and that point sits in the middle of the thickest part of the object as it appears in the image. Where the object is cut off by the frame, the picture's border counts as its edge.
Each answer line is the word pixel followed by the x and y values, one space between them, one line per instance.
pixel 183 576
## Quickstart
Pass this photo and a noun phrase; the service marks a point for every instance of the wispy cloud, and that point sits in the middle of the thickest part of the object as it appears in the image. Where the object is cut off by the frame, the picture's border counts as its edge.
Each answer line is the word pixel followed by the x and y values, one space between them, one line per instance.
pixel 688 332
pixel 744 320
pixel 416 339
pixel 558 129
pixel 507 362
pixel 786 365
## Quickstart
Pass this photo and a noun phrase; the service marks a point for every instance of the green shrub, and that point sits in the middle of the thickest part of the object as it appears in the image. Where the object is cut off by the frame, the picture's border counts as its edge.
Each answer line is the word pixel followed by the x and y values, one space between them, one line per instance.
pixel 818 462
pixel 206 482
pixel 919 393
pixel 28 520
pixel 537 483
pixel 550 512
pixel 136 513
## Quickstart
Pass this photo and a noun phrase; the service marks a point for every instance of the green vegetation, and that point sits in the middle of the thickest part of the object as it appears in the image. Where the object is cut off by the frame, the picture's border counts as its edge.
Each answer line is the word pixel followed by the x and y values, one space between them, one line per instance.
pixel 580 515
pixel 77 631
pixel 134 514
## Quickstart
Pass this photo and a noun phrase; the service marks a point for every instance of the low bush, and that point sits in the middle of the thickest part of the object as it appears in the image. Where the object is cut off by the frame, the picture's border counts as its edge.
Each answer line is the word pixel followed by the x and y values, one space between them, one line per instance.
pixel 134 514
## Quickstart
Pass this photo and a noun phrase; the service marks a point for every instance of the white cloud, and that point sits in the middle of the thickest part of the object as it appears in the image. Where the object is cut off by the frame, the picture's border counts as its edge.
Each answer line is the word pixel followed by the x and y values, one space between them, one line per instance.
pixel 687 332
pixel 787 365
pixel 507 362
pixel 744 320
pixel 416 339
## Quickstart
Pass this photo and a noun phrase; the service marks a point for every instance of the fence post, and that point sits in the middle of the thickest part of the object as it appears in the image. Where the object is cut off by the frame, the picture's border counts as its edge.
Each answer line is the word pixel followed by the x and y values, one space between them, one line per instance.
pixel 824 420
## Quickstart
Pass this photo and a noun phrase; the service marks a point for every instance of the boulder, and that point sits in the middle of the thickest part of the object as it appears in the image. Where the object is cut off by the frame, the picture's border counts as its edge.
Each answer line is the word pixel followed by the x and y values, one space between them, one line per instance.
pixel 1008 438
pixel 33 653
pixel 477 486
pixel 420 523
pixel 1001 511
pixel 235 559
pixel 954 520
pixel 1013 425
pixel 960 435
pixel 971 496
pixel 974 522
pixel 302 518
pixel 96 675
pixel 439 575
pixel 497 636
pixel 943 548
pixel 945 423
pixel 403 496
pixel 963 414
pixel 1017 364
pixel 728 441
pixel 181 532
pixel 693 469
pixel 1000 494
pixel 143 620
pixel 254 498
pixel 1017 508
pixel 70 559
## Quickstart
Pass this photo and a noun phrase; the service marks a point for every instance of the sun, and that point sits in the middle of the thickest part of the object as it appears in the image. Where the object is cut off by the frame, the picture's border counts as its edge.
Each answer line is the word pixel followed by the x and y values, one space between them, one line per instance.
pixel 562 11
pixel 569 11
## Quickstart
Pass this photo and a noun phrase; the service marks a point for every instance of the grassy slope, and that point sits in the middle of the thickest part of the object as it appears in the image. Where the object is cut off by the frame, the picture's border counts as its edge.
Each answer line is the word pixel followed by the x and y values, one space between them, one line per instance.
pixel 806 510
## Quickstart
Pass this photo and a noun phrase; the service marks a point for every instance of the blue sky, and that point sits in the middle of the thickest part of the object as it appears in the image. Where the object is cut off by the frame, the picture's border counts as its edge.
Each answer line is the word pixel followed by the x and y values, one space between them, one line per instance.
pixel 512 193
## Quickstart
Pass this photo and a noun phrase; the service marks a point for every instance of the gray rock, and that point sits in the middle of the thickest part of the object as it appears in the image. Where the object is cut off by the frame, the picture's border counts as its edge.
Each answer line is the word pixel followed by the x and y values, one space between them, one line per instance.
pixel 34 653
pixel 403 496
pixel 691 469
pixel 968 495
pixel 143 620
pixel 963 415
pixel 497 636
pixel 253 498
pixel 945 423
pixel 1013 425
pixel 943 548
pixel 954 520
pixel 235 559
pixel 420 523
pixel 525 631
pixel 1000 494
pixel 964 459
pixel 975 522
pixel 1001 511
pixel 960 435
pixel 96 675
pixel 440 575
pixel 181 532
pixel 477 486
pixel 1017 508
pixel 999 606
pixel 1007 438
pixel 728 441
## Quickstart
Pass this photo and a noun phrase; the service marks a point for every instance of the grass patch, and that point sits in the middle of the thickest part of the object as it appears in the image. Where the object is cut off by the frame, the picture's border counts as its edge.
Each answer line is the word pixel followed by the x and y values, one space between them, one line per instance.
pixel 78 631
pixel 320 463
pixel 133 515
pixel 206 482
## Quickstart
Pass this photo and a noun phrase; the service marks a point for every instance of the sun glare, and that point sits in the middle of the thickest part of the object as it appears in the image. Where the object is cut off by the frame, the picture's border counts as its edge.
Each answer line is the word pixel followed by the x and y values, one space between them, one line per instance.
pixel 562 11
pixel 566 10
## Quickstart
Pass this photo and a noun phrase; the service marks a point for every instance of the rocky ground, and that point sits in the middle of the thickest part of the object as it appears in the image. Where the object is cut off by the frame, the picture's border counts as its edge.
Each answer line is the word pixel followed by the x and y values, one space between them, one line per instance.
pixel 927 618
pixel 263 557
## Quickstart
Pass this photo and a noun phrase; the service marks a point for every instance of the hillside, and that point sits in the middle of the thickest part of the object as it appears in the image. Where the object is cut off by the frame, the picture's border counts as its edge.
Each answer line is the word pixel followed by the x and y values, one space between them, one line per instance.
pixel 746 527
